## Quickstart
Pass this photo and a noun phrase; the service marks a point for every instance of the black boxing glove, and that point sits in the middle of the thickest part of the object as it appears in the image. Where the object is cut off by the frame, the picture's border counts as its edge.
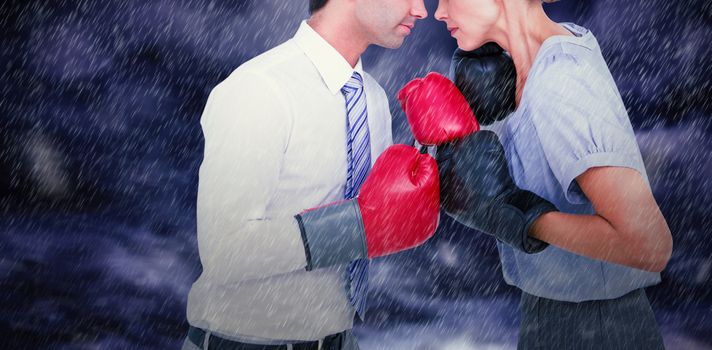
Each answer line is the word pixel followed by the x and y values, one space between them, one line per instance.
pixel 487 78
pixel 477 191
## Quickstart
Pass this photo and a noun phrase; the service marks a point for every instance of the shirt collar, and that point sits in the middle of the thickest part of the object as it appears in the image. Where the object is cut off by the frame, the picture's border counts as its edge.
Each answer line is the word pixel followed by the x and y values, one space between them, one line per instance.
pixel 334 69
pixel 581 36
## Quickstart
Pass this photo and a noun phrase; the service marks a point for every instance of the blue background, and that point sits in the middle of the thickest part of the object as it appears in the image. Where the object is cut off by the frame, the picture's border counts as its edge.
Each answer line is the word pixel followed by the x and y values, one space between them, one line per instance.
pixel 101 144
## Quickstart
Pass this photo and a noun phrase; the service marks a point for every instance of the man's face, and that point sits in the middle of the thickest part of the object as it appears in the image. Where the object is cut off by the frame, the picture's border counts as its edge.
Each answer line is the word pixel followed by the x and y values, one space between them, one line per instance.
pixel 386 23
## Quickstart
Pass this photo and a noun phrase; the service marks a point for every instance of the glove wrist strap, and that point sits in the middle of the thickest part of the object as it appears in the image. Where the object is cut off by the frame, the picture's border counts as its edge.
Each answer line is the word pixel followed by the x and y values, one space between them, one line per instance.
pixel 333 234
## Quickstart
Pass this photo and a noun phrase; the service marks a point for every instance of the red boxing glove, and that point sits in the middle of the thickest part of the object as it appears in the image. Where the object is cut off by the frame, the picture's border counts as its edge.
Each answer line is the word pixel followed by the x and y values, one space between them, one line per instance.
pixel 400 201
pixel 436 110
pixel 398 208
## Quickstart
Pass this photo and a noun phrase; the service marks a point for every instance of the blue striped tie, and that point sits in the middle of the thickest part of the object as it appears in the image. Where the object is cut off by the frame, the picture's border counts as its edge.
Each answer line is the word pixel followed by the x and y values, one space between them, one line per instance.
pixel 359 160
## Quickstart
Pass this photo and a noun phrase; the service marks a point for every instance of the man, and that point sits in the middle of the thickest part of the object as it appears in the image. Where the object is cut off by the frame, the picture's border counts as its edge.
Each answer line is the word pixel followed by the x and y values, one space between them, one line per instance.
pixel 299 127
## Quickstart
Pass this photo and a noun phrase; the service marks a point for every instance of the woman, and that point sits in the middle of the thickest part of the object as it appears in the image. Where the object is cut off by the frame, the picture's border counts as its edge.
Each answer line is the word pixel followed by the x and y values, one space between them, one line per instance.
pixel 570 142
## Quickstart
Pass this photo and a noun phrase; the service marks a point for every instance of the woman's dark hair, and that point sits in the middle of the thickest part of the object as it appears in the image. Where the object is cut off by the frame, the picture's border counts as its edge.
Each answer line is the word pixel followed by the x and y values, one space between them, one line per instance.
pixel 315 5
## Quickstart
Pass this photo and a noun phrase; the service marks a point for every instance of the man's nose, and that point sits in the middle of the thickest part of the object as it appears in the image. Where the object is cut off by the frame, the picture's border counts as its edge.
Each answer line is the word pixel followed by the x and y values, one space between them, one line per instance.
pixel 418 10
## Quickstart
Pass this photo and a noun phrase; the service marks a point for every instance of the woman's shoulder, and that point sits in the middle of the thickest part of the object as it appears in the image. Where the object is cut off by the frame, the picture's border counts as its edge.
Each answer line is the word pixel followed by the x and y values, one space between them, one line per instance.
pixel 567 72
pixel 567 54
pixel 560 61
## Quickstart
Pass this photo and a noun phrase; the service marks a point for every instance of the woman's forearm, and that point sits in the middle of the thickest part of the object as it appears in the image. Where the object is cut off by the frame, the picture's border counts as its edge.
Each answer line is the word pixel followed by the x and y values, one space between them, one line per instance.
pixel 594 237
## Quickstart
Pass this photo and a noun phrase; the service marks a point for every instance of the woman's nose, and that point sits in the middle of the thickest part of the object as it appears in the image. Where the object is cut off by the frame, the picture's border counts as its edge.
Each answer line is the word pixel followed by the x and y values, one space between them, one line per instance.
pixel 441 11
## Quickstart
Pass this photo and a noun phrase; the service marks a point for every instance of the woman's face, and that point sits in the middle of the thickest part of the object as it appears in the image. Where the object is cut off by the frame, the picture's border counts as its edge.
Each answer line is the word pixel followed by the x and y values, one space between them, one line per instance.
pixel 470 22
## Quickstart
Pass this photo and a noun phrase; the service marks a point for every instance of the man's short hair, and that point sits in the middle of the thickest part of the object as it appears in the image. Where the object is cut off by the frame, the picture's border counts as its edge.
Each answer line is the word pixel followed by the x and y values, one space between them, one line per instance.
pixel 315 5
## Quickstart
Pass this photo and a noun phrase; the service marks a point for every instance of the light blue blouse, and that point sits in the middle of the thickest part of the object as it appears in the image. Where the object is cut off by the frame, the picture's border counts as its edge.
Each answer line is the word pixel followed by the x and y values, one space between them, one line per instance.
pixel 571 117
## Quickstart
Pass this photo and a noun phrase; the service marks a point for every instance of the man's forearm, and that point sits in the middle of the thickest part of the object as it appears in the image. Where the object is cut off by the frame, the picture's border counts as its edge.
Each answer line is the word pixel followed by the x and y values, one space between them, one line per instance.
pixel 233 252
pixel 594 237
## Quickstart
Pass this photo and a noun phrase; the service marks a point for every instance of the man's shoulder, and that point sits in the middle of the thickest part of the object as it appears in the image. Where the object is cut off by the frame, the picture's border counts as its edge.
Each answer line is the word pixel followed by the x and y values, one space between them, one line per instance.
pixel 269 64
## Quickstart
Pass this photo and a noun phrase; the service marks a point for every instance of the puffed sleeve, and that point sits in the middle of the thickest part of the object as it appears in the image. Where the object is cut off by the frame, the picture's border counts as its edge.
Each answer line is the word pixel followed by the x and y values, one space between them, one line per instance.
pixel 581 123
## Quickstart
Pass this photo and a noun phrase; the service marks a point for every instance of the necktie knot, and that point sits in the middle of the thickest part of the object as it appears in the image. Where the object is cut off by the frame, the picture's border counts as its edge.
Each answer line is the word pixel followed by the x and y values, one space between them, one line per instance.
pixel 354 84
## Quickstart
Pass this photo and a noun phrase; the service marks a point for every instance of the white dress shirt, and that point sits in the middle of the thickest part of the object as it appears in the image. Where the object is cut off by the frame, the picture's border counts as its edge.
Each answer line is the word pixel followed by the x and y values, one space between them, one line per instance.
pixel 275 144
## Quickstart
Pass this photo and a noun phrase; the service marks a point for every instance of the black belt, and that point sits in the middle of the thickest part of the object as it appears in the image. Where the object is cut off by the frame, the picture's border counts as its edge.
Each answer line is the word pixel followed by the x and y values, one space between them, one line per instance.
pixel 197 337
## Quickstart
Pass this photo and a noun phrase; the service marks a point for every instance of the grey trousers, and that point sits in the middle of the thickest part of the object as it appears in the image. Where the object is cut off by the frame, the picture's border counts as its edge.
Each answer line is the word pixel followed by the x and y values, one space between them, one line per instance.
pixel 625 323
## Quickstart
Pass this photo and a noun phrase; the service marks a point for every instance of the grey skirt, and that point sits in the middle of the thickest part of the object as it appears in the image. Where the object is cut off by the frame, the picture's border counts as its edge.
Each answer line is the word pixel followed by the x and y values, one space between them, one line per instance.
pixel 623 323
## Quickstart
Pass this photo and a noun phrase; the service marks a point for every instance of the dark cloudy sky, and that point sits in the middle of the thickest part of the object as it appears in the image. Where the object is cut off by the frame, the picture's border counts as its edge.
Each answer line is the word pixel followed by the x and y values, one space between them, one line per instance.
pixel 101 143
